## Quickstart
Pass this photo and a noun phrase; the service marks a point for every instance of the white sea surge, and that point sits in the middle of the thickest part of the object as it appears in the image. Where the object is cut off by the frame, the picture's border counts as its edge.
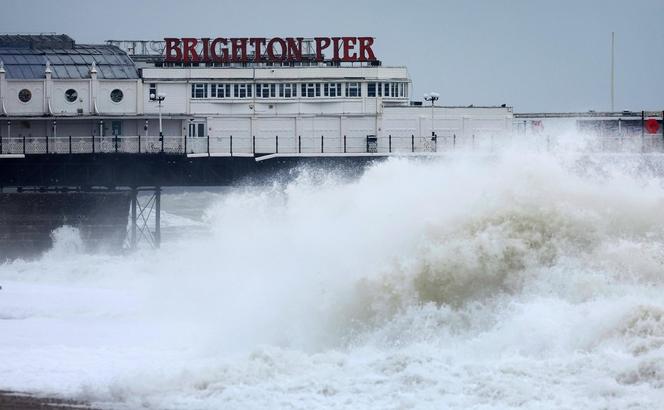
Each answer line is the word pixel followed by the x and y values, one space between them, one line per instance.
pixel 514 280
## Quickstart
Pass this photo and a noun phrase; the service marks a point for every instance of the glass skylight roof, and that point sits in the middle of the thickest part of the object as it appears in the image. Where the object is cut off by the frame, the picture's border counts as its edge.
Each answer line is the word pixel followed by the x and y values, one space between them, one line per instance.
pixel 25 57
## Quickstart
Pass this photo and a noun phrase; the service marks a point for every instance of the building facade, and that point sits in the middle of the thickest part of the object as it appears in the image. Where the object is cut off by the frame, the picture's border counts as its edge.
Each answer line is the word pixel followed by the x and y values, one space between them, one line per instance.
pixel 56 91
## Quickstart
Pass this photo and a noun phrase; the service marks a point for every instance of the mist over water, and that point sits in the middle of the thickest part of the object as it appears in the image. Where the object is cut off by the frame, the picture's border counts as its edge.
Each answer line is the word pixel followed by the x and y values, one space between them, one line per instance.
pixel 514 279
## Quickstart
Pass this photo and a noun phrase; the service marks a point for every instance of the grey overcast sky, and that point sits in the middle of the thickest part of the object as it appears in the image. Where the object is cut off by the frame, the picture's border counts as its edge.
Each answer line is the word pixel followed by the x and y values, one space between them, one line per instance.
pixel 534 55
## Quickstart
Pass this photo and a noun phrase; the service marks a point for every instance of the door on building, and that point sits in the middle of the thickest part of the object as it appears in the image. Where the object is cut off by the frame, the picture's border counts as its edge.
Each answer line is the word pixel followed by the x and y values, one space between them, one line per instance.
pixel 197 128
pixel 116 128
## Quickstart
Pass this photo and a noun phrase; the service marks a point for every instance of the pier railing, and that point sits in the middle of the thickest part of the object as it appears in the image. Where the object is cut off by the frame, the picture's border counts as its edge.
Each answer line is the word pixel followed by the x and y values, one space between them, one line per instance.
pixel 320 144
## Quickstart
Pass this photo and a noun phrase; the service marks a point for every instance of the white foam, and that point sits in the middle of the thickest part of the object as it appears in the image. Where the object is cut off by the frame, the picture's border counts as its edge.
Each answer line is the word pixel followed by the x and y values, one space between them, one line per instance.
pixel 517 279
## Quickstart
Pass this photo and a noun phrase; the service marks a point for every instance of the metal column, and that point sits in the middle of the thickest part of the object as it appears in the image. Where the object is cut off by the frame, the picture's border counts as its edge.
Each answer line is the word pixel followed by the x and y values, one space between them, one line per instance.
pixel 157 217
pixel 134 199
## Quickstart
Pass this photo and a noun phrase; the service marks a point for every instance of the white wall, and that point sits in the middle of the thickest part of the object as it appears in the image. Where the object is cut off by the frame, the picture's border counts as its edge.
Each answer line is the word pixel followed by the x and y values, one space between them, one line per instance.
pixel 177 98
pixel 128 104
pixel 34 107
pixel 447 121
pixel 60 105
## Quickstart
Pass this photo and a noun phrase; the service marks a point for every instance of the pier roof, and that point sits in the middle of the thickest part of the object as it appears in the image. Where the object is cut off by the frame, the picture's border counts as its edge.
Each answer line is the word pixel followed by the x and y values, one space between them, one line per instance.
pixel 26 56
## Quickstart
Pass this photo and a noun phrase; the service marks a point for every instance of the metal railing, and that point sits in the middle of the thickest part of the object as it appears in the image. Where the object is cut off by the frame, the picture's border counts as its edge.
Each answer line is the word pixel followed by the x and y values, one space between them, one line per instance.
pixel 29 145
pixel 319 144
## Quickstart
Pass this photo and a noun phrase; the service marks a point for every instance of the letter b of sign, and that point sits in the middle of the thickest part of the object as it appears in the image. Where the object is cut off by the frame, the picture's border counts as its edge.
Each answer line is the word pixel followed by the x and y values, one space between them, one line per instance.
pixel 173 52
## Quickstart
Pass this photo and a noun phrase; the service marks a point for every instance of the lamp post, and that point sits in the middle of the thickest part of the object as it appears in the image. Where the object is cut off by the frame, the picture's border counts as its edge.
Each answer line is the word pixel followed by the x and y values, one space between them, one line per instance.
pixel 433 97
pixel 159 98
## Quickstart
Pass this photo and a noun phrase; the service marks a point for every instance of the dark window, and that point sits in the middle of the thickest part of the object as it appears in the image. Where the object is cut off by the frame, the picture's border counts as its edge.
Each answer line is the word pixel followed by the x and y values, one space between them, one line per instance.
pixel 116 95
pixel 220 90
pixel 153 90
pixel 24 95
pixel 287 90
pixel 71 95
pixel 310 90
pixel 371 89
pixel 243 90
pixel 352 89
pixel 199 91
pixel 332 89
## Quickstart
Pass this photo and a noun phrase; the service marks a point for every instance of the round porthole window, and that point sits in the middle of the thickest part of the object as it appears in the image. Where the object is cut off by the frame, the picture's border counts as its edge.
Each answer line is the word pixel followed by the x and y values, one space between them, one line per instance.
pixel 116 95
pixel 71 95
pixel 24 95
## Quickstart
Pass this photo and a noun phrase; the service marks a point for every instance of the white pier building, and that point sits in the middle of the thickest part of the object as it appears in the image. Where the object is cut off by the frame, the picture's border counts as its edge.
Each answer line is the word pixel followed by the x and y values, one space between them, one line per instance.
pixel 103 98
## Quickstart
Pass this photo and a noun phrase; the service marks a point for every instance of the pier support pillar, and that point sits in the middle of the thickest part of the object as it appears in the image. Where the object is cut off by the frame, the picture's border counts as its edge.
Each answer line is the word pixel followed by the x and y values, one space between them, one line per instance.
pixel 157 217
pixel 134 221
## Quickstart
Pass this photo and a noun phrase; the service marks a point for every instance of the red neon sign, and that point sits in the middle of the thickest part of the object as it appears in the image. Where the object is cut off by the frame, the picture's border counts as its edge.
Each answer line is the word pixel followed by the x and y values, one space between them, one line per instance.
pixel 273 50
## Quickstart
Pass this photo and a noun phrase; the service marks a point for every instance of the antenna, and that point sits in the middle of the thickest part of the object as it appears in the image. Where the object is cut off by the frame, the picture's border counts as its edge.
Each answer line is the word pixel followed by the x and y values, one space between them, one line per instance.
pixel 613 69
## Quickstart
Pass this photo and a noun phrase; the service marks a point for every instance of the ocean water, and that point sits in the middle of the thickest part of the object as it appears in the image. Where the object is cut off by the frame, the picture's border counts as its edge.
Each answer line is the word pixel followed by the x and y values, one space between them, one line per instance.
pixel 519 279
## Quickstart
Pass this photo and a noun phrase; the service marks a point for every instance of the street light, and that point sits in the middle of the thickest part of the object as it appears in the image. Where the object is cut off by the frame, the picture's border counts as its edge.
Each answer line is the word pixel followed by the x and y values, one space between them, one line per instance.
pixel 433 97
pixel 159 98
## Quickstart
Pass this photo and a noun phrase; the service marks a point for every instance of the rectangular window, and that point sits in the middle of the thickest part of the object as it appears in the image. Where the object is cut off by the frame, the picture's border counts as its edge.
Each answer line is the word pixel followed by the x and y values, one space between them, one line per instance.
pixel 287 90
pixel 153 90
pixel 405 90
pixel 243 90
pixel 332 89
pixel 393 89
pixel 220 90
pixel 266 90
pixel 386 89
pixel 197 129
pixel 199 90
pixel 310 90
pixel 371 89
pixel 353 90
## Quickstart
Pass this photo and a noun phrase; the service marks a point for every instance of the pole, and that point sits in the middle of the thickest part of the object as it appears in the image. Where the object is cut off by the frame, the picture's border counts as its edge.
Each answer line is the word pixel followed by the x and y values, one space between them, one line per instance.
pixel 321 145
pixel 157 217
pixel 299 144
pixel 412 143
pixel 613 41
pixel 389 144
pixel 134 195
pixel 276 144
pixel 9 134
pixel 161 129
pixel 344 144
pixel 52 131
pixel 70 145
pixel 432 132
pixel 231 146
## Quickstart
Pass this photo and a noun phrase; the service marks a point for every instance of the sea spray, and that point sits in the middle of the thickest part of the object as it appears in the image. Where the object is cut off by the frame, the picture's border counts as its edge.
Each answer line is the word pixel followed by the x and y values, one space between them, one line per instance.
pixel 510 279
